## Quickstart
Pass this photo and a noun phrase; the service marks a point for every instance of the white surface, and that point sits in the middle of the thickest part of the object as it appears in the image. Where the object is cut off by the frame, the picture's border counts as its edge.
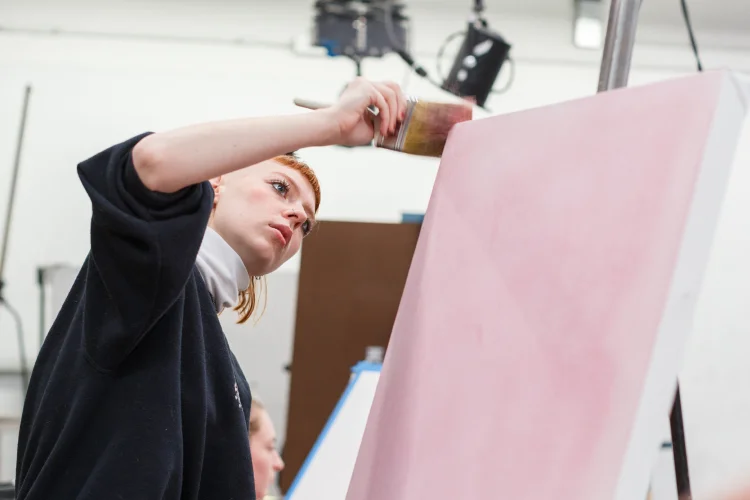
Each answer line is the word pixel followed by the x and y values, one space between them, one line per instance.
pixel 663 479
pixel 716 374
pixel 685 291
pixel 8 445
pixel 57 279
pixel 328 469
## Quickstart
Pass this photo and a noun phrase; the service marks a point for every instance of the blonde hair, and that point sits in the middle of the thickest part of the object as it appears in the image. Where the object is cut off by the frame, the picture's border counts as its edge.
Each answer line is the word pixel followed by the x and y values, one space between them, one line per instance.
pixel 255 408
pixel 248 298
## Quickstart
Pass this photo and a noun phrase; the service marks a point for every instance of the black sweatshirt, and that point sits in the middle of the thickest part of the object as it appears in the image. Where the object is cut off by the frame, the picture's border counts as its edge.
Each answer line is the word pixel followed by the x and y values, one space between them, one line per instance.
pixel 135 394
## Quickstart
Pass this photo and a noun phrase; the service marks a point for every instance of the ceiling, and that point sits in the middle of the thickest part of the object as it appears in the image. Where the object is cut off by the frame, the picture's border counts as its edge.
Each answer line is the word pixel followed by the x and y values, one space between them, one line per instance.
pixel 718 24
pixel 706 15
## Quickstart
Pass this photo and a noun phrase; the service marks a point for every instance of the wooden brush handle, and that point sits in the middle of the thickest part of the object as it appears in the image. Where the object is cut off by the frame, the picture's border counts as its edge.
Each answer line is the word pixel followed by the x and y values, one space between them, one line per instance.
pixel 310 104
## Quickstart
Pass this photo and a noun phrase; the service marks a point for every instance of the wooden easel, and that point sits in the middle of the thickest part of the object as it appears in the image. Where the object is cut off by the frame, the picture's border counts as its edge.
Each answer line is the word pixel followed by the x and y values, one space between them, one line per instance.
pixel 615 68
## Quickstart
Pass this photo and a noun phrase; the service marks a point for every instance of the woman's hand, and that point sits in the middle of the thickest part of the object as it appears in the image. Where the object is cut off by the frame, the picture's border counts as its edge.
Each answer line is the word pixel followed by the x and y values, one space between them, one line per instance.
pixel 356 124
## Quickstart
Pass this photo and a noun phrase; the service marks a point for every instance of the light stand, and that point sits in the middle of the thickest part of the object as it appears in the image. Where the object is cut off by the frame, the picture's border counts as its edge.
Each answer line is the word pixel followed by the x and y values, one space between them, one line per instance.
pixel 615 68
pixel 6 236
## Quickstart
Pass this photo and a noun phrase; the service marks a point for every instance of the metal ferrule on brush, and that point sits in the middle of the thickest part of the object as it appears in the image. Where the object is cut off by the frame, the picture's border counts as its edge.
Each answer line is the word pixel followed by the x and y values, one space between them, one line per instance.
pixel 396 141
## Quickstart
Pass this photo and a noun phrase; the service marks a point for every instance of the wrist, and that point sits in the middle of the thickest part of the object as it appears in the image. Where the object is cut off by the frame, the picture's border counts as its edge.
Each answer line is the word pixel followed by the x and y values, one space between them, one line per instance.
pixel 328 126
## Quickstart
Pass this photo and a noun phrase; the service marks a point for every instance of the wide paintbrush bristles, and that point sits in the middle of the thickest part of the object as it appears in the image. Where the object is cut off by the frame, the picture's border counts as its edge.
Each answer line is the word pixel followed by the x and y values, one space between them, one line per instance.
pixel 425 129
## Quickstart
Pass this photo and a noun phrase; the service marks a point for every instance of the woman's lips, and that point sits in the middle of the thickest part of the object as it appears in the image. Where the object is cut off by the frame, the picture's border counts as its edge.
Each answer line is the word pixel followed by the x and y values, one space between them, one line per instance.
pixel 283 233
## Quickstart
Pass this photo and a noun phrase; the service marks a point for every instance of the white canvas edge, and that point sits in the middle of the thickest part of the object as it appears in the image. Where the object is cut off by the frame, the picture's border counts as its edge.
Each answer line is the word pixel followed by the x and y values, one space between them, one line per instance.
pixel 331 462
pixel 676 325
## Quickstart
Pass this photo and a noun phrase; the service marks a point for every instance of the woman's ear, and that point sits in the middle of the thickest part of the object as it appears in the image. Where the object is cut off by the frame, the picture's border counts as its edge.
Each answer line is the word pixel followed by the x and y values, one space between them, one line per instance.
pixel 217 186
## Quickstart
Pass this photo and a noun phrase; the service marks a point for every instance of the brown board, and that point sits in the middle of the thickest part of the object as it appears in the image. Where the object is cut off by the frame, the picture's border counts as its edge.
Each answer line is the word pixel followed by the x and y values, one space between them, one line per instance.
pixel 352 275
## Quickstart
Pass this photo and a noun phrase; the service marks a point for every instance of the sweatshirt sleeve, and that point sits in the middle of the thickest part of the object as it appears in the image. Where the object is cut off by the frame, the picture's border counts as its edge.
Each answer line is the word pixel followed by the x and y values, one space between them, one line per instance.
pixel 143 248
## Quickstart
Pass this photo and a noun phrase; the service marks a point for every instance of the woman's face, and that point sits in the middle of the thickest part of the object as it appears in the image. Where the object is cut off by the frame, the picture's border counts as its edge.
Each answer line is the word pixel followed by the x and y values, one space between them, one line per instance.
pixel 266 460
pixel 263 212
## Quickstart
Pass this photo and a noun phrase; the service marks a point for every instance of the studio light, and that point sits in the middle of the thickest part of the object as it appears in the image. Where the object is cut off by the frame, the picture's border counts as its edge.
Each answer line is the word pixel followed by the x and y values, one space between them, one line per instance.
pixel 361 28
pixel 373 28
pixel 478 62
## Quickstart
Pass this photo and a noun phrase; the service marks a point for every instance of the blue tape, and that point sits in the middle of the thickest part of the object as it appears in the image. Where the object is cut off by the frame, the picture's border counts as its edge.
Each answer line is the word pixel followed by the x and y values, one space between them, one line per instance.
pixel 366 366
pixel 409 218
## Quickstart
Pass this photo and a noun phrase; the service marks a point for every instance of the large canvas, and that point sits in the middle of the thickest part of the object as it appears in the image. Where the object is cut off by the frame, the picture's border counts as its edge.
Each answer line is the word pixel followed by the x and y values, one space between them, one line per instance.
pixel 538 340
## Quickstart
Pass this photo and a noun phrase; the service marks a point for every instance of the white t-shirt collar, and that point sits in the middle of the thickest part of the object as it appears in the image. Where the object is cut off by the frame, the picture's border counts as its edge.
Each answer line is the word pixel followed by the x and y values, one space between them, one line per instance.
pixel 222 270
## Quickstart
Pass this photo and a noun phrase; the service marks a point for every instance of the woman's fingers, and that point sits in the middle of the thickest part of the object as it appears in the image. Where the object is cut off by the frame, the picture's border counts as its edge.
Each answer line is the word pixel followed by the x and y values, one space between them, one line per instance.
pixel 386 96
pixel 396 100
pixel 401 114
pixel 392 99
pixel 379 100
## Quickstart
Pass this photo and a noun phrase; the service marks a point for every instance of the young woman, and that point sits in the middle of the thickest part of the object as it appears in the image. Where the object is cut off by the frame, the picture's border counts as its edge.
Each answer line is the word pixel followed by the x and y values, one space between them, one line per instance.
pixel 135 393
pixel 266 460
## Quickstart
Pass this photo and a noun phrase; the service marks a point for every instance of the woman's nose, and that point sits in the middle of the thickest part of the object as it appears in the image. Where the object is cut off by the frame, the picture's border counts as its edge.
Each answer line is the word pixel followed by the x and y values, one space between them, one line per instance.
pixel 296 211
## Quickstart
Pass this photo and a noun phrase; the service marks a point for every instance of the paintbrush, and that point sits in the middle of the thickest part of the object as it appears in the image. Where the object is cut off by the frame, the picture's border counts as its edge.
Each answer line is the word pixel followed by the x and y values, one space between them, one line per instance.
pixel 423 131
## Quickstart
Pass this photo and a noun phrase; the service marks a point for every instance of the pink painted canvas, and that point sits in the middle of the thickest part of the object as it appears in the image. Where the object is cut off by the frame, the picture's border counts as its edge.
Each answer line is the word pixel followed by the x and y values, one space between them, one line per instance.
pixel 562 249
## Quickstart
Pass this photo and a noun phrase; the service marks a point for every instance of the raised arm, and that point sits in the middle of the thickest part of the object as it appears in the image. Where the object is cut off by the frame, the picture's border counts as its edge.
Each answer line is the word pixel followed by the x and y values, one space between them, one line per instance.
pixel 169 161
pixel 151 202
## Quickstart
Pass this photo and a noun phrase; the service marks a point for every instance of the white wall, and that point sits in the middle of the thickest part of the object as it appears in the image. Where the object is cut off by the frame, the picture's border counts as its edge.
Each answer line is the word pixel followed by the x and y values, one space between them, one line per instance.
pixel 90 91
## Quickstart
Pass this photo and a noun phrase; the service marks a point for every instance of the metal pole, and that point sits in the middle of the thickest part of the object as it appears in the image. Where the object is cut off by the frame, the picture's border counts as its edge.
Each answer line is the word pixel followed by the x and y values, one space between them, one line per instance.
pixel 615 69
pixel 618 44
pixel 13 181
pixel 6 237
pixel 679 449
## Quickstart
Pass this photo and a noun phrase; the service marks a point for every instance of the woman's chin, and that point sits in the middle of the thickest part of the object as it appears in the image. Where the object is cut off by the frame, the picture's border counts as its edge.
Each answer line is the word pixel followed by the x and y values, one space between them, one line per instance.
pixel 262 259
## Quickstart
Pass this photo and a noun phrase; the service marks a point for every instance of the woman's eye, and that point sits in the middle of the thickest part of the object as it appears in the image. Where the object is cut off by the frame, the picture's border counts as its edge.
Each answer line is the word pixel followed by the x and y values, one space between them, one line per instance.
pixel 280 187
pixel 306 227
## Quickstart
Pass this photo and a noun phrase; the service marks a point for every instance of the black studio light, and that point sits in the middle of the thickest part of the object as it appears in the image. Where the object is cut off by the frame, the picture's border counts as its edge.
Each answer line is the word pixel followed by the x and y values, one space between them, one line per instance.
pixel 360 28
pixel 479 60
